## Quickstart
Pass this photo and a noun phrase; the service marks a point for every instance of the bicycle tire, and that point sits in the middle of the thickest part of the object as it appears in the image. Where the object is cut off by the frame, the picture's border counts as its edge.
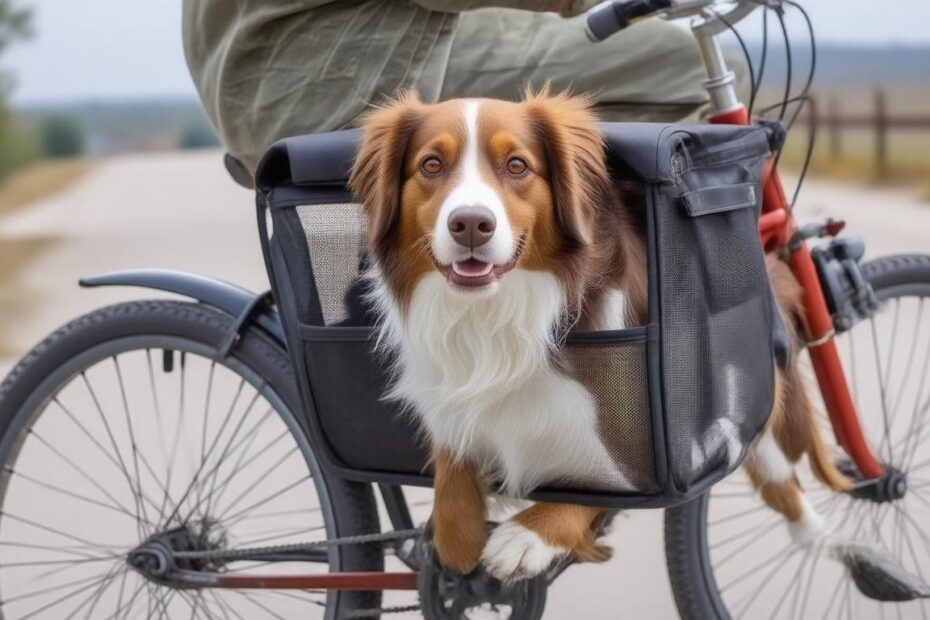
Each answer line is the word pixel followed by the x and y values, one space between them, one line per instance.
pixel 348 508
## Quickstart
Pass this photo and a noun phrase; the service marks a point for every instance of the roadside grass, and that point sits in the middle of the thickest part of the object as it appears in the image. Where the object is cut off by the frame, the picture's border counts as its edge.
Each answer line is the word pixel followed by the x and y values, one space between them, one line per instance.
pixel 908 158
pixel 40 180
pixel 908 151
pixel 22 187
pixel 16 295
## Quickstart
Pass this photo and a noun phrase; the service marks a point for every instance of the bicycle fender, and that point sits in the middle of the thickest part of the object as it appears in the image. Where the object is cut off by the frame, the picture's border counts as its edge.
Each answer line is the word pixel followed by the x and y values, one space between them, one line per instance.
pixel 224 296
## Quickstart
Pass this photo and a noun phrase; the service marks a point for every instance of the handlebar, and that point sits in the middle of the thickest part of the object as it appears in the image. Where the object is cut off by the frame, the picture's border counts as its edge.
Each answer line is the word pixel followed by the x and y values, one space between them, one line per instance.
pixel 612 16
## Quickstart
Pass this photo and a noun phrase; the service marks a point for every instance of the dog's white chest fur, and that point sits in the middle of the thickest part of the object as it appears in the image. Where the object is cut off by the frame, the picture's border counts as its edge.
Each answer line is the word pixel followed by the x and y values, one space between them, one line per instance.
pixel 479 374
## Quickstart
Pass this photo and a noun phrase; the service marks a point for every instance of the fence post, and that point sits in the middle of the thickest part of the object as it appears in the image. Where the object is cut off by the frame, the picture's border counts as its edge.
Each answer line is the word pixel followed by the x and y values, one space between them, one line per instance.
pixel 881 135
pixel 833 126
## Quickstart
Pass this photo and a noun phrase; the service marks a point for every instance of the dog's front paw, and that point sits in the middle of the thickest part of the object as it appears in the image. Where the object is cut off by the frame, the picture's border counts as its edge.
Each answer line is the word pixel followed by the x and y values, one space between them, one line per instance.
pixel 515 552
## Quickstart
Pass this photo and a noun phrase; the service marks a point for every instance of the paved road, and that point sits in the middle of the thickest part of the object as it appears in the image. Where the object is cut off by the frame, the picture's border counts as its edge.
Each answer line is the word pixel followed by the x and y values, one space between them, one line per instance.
pixel 179 211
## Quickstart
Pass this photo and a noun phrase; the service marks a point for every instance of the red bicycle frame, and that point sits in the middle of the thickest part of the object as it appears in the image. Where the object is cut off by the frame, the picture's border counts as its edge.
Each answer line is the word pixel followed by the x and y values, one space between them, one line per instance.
pixel 776 230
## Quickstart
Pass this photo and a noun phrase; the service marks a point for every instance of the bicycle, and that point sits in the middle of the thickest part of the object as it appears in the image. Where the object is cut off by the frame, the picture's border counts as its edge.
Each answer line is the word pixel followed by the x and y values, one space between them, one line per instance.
pixel 211 518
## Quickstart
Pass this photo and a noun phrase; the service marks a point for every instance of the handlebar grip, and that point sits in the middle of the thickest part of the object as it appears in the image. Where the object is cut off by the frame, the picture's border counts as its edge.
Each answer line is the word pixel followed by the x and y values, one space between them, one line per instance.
pixel 612 16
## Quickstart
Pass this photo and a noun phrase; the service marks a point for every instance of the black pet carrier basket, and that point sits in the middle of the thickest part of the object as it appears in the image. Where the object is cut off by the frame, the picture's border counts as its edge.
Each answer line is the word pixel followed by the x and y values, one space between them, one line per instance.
pixel 680 399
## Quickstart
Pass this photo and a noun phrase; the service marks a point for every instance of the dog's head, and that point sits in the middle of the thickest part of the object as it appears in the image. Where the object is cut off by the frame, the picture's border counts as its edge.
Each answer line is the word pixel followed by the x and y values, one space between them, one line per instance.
pixel 475 188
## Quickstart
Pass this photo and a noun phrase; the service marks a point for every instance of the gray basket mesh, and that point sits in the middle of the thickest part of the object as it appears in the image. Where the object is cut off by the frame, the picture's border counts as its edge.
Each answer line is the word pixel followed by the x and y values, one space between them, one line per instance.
pixel 335 235
pixel 616 377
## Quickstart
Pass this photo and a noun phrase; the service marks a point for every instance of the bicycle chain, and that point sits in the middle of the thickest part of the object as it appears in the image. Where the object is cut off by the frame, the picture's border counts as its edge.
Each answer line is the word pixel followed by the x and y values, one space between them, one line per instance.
pixel 245 554
pixel 374 613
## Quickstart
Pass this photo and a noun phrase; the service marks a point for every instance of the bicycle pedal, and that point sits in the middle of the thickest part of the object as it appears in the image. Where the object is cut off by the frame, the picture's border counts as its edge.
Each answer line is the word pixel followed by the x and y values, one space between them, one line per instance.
pixel 880 576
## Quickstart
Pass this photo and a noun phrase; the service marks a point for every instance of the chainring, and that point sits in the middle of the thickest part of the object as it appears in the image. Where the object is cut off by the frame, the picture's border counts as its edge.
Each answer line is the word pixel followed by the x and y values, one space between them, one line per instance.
pixel 448 595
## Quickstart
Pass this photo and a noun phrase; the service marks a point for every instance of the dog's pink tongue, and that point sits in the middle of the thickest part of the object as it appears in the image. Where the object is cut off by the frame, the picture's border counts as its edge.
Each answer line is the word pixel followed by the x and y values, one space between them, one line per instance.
pixel 471 268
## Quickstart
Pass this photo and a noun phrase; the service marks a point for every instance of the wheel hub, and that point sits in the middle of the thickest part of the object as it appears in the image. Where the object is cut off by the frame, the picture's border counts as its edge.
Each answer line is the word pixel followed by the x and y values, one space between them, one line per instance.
pixel 889 488
pixel 155 558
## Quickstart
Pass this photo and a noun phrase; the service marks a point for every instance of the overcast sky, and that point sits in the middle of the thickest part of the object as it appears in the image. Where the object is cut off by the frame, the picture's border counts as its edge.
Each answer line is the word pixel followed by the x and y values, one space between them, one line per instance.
pixel 102 49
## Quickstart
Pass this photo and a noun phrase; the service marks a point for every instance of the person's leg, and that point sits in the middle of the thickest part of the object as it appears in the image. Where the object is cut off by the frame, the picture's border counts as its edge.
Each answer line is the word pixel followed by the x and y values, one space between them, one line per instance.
pixel 267 70
pixel 652 71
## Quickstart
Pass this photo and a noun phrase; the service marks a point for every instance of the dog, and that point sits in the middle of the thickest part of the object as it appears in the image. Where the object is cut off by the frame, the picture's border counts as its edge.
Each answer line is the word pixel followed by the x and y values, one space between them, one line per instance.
pixel 493 228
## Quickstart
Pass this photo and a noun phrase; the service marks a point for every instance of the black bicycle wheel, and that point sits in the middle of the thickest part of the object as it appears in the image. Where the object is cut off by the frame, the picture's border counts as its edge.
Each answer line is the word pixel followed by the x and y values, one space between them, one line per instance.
pixel 728 555
pixel 125 424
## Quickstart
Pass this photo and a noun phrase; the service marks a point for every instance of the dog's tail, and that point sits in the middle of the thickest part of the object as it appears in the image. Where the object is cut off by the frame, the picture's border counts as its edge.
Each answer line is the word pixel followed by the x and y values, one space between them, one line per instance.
pixel 821 464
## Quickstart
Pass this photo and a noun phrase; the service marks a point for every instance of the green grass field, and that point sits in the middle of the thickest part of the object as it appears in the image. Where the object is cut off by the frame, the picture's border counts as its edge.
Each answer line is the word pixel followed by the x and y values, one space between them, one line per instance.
pixel 908 151
pixel 908 159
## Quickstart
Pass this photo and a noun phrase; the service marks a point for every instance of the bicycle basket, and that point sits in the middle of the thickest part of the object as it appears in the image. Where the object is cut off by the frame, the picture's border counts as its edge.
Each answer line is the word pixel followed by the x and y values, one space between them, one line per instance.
pixel 679 399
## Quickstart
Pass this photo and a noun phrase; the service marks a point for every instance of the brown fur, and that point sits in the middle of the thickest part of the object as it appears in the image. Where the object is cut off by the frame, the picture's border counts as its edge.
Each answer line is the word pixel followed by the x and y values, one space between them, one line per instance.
pixel 567 526
pixel 793 422
pixel 459 514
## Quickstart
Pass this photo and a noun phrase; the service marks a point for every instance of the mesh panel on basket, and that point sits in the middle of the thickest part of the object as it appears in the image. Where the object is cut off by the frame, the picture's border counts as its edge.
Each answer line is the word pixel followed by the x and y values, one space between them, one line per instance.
pixel 336 243
pixel 715 336
pixel 616 378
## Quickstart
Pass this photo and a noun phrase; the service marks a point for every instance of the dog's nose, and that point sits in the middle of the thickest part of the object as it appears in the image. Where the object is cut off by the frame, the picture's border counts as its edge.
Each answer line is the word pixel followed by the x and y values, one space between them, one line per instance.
pixel 472 226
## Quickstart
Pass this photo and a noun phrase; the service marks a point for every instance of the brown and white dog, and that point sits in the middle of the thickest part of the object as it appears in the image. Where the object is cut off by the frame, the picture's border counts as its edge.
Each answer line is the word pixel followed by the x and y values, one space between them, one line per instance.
pixel 493 227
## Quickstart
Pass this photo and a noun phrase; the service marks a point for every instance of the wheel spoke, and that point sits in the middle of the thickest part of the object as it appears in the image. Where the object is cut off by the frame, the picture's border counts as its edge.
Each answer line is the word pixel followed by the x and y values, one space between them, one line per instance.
pixel 916 425
pixel 784 554
pixel 194 479
pixel 227 609
pixel 220 489
pixel 886 437
pixel 141 513
pixel 265 499
pixel 79 470
pixel 127 606
pixel 51 487
pixel 206 417
pixel 55 531
pixel 73 550
pixel 910 360
pixel 95 578
pixel 94 597
pixel 116 450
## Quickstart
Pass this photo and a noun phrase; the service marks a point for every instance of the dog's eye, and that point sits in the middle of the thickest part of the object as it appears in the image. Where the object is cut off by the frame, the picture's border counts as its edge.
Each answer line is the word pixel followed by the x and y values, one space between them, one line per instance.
pixel 431 165
pixel 516 166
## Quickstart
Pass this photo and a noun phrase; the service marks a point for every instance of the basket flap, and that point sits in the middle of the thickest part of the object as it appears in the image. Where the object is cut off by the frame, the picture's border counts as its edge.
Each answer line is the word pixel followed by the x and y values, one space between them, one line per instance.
pixel 642 150
pixel 647 151
pixel 312 159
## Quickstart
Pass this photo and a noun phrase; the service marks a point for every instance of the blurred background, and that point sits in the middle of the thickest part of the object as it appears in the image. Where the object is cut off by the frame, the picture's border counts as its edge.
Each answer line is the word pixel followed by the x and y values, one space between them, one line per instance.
pixel 108 162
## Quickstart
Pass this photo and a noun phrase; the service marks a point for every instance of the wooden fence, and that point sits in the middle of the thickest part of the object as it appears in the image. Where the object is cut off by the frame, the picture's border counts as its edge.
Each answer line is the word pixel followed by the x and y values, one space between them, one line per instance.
pixel 831 122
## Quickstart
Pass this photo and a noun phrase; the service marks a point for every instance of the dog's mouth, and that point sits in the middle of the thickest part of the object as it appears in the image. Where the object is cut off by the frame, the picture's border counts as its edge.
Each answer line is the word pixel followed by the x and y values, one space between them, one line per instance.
pixel 476 273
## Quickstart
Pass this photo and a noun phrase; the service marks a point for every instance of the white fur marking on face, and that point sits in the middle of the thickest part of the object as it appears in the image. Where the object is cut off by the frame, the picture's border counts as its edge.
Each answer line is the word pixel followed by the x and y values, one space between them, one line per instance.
pixel 515 552
pixel 473 190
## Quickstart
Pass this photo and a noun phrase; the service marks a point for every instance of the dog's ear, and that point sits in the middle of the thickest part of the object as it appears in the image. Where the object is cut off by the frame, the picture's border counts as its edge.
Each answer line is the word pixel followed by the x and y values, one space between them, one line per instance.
pixel 567 130
pixel 378 172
